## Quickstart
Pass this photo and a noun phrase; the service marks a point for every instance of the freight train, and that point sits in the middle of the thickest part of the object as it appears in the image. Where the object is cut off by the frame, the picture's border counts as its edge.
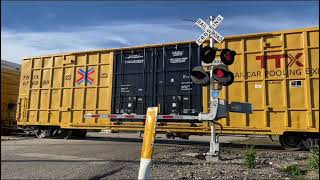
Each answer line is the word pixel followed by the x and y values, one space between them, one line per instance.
pixel 277 72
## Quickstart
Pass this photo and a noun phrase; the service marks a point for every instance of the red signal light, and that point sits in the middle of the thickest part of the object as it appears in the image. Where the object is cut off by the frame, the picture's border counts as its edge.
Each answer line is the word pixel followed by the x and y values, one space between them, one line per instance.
pixel 227 56
pixel 221 74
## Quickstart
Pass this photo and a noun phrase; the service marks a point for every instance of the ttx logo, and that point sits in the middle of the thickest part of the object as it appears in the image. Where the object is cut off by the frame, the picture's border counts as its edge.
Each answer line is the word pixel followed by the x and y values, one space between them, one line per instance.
pixel 85 76
pixel 277 59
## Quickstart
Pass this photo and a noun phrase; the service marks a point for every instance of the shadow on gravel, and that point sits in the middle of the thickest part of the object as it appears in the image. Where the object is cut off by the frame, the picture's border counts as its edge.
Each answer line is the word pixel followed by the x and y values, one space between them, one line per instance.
pixel 99 161
pixel 157 141
pixel 243 146
pixel 107 174
pixel 186 142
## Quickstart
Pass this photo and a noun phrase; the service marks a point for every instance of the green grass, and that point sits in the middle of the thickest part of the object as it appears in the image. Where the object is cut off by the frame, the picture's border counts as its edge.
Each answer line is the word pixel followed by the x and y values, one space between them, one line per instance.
pixel 250 157
pixel 314 158
pixel 293 170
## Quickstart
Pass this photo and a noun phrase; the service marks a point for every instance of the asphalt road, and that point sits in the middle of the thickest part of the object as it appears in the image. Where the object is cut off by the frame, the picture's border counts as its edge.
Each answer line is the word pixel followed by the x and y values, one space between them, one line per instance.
pixel 97 156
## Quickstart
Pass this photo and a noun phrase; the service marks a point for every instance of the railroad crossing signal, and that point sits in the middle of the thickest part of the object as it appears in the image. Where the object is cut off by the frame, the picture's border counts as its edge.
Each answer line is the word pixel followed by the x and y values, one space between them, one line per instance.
pixel 220 72
pixel 218 108
pixel 209 30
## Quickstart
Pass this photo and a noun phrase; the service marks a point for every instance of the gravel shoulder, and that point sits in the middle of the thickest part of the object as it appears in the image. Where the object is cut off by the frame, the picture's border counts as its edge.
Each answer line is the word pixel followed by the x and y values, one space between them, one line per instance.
pixel 117 156
pixel 172 162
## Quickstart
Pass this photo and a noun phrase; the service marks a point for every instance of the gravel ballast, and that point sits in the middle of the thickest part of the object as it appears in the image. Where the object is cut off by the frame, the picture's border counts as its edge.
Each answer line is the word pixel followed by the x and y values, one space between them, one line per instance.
pixel 174 163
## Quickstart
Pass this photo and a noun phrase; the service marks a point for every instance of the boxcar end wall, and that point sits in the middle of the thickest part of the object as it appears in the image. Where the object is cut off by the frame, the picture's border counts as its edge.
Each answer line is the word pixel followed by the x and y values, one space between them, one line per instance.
pixel 10 76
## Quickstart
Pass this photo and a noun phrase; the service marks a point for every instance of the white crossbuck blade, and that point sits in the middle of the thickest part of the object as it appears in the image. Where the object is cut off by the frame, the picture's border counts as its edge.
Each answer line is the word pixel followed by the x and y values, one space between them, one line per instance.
pixel 209 30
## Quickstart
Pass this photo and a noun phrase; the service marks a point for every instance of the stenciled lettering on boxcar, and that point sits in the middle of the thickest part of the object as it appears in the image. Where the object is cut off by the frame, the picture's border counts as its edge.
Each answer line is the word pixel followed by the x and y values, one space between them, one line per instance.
pixel 312 71
pixel 67 77
pixel 103 75
pixel 125 88
pixel 294 60
pixel 177 57
pixel 186 85
pixel 25 80
pixel 45 82
pixel 35 79
pixel 134 59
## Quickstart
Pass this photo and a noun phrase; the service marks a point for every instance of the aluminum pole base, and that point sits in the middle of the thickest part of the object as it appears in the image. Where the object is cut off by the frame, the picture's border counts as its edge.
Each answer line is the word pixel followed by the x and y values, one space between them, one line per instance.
pixel 214 152
pixel 214 155
pixel 212 159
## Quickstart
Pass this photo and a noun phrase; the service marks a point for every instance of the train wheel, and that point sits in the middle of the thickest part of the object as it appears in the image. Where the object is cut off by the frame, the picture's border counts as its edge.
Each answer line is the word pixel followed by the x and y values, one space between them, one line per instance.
pixel 54 132
pixel 64 134
pixel 43 133
pixel 183 135
pixel 83 133
pixel 168 135
pixel 67 134
pixel 79 133
pixel 292 142
pixel 310 143
pixel 186 136
pixel 4 132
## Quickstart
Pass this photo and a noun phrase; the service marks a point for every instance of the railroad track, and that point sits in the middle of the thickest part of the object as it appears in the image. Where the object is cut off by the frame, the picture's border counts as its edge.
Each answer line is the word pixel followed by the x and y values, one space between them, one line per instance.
pixel 223 145
pixel 259 147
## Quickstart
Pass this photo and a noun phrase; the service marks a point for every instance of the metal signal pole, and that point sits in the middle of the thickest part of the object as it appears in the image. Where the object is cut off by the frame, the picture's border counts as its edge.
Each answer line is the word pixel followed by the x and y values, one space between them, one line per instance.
pixel 214 145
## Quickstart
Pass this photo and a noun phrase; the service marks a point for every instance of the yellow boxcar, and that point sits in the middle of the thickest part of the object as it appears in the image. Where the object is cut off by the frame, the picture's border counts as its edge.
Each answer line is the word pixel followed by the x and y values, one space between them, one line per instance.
pixel 278 72
pixel 10 76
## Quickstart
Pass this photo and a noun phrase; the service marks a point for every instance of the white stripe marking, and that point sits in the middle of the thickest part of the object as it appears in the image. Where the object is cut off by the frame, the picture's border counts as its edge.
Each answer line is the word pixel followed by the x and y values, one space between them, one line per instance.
pixel 145 169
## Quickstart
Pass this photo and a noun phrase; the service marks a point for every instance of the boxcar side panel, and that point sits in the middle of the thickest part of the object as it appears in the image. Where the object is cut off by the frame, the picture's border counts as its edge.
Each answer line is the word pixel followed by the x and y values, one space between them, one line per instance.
pixel 59 90
pixel 278 73
pixel 157 76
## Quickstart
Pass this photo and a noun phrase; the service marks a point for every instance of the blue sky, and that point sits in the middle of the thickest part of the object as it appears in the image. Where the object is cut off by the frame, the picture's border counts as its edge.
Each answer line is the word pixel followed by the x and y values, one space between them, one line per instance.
pixel 39 28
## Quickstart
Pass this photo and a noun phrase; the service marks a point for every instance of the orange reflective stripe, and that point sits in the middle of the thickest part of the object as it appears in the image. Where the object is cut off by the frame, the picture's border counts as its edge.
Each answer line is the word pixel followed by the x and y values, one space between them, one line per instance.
pixel 149 133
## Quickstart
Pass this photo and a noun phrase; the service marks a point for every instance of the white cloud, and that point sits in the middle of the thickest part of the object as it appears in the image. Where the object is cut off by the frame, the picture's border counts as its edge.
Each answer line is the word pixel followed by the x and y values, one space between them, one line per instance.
pixel 268 22
pixel 17 44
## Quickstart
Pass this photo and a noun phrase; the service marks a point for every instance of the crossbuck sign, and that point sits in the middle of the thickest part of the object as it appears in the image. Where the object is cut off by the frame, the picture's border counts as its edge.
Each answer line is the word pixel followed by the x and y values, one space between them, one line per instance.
pixel 209 30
